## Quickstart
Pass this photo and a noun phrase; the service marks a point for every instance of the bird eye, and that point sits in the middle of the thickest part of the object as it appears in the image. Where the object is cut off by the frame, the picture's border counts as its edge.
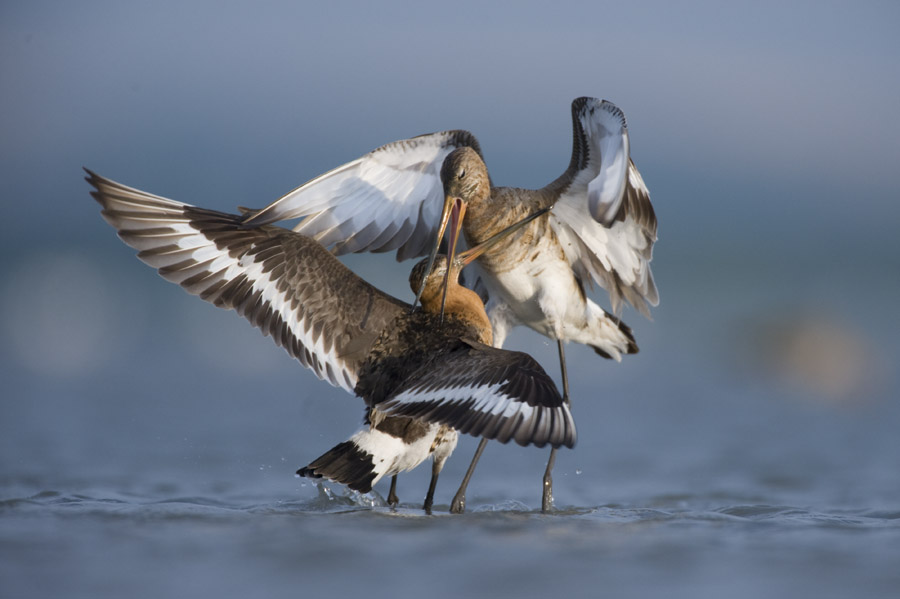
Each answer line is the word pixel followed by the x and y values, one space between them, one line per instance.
pixel 461 174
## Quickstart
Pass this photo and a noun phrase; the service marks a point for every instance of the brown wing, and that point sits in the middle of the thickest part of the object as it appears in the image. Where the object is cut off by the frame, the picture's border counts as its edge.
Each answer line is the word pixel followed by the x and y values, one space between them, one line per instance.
pixel 485 392
pixel 284 283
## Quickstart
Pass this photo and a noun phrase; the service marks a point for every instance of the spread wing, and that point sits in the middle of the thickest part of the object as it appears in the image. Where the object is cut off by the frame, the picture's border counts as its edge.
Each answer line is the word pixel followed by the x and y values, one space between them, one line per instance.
pixel 390 199
pixel 486 392
pixel 604 217
pixel 285 284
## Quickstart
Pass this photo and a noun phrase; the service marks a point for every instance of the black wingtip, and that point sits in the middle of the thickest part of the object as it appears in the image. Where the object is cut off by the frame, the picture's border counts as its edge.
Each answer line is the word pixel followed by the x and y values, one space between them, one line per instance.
pixel 93 180
pixel 580 104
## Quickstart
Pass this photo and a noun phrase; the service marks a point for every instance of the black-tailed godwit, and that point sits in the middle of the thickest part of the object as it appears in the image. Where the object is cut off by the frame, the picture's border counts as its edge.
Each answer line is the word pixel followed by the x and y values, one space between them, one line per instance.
pixel 602 228
pixel 423 377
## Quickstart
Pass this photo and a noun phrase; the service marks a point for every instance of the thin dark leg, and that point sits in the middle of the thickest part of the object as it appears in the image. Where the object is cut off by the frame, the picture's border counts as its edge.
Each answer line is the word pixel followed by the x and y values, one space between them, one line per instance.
pixel 458 505
pixel 547 495
pixel 562 366
pixel 429 499
pixel 393 500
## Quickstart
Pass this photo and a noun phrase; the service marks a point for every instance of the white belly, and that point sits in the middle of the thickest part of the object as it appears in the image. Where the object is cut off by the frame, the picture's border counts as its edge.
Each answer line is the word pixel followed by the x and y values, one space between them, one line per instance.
pixel 541 294
pixel 391 455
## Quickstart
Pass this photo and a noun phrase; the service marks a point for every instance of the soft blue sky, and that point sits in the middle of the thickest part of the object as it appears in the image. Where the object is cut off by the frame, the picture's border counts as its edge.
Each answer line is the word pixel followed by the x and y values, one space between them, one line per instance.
pixel 768 132
pixel 766 109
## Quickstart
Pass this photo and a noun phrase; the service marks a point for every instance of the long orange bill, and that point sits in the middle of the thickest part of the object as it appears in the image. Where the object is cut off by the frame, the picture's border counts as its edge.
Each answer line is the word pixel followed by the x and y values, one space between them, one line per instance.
pixel 445 218
pixel 456 263
pixel 457 212
pixel 465 258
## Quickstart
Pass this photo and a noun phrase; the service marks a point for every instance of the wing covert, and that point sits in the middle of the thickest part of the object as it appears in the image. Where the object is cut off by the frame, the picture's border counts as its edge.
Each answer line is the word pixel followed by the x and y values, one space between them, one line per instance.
pixel 487 392
pixel 285 284
pixel 388 200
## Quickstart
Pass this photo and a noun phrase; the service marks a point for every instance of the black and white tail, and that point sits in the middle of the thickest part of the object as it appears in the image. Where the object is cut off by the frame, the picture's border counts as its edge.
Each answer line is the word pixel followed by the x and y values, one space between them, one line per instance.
pixel 344 463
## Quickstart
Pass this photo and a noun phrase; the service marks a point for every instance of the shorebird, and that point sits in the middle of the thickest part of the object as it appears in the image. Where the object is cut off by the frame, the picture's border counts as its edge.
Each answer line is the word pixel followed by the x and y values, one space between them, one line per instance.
pixel 424 377
pixel 350 462
pixel 602 228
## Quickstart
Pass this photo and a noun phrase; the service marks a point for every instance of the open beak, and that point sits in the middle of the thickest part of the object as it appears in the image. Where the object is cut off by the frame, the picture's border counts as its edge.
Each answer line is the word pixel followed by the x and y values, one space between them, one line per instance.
pixel 456 263
pixel 449 203
pixel 467 257
pixel 455 218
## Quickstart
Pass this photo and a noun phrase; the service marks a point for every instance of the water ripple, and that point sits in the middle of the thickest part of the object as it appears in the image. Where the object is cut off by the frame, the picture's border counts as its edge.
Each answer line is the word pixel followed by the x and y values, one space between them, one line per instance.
pixel 328 501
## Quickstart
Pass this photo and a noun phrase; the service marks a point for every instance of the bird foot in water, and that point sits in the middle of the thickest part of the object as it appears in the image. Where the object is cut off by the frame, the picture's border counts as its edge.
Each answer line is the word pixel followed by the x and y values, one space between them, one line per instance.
pixel 547 496
pixel 392 498
pixel 458 505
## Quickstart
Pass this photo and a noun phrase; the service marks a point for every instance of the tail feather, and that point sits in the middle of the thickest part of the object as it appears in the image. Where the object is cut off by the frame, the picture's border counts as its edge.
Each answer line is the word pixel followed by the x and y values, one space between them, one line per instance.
pixel 393 445
pixel 612 337
pixel 345 463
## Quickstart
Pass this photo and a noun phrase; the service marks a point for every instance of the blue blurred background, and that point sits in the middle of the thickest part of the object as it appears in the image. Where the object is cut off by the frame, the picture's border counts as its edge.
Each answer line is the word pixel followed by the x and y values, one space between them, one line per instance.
pixel 767 133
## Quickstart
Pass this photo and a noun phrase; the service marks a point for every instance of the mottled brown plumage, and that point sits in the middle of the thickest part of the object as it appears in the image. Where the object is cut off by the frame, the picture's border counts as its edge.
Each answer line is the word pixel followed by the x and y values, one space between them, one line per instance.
pixel 602 227
pixel 405 364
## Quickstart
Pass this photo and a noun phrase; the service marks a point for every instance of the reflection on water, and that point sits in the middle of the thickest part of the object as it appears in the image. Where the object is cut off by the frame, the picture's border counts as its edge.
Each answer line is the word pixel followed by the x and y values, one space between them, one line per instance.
pixel 164 435
pixel 683 547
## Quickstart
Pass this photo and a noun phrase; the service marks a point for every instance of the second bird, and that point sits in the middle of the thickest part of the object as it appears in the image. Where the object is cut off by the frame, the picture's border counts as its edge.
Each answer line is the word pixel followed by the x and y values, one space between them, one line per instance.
pixel 602 228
